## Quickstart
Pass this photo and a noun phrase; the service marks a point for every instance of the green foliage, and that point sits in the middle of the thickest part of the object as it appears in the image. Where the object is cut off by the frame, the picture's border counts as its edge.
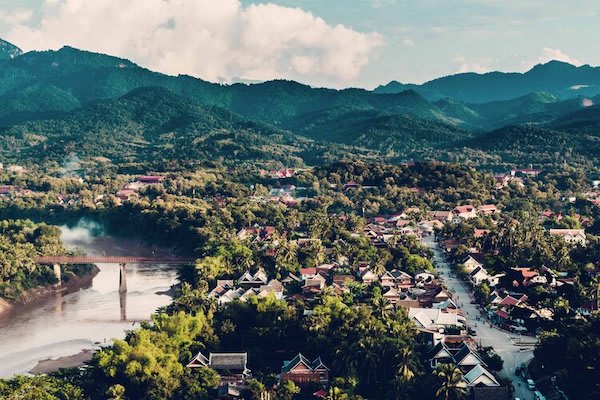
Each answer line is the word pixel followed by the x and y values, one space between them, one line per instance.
pixel 39 388
pixel 148 363
pixel 574 349
pixel 20 242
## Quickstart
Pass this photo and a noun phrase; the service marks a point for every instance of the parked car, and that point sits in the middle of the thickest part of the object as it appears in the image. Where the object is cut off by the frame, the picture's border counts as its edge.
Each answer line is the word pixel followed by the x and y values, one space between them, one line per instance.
pixel 530 384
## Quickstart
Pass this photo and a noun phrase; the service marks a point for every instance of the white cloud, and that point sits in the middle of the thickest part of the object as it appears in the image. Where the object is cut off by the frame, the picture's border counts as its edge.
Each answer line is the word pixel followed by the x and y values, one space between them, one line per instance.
pixel 213 39
pixel 464 65
pixel 549 54
pixel 15 17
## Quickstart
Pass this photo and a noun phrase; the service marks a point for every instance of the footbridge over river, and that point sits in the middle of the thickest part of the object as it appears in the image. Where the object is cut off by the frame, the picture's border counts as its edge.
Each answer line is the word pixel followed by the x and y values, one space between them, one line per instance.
pixel 122 261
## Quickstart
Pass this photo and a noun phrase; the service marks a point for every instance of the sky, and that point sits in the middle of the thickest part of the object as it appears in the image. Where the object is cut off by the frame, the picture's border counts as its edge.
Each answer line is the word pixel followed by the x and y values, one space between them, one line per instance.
pixel 341 43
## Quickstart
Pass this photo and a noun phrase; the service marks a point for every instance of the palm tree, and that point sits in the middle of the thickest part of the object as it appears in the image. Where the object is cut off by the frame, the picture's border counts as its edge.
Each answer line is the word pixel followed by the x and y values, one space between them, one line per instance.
pixel 367 351
pixel 382 307
pixel 406 364
pixel 452 385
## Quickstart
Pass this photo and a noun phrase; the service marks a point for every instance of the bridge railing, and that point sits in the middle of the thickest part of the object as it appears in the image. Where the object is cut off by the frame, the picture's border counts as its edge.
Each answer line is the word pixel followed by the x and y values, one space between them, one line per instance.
pixel 112 260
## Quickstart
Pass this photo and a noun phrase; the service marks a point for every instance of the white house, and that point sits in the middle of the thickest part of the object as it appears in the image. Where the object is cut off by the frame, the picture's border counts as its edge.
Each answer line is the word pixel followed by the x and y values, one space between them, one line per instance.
pixel 573 236
pixel 465 212
pixel 479 376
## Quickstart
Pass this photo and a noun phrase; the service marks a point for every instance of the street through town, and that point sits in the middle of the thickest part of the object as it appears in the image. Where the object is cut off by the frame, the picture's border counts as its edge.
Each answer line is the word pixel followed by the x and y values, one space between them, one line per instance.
pixel 513 348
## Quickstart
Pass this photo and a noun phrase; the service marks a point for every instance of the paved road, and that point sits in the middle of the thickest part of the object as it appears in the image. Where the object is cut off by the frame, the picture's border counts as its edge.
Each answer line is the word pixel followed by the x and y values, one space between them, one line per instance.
pixel 513 348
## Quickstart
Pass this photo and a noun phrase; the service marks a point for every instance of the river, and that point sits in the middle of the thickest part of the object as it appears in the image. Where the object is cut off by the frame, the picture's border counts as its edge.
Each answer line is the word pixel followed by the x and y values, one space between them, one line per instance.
pixel 68 323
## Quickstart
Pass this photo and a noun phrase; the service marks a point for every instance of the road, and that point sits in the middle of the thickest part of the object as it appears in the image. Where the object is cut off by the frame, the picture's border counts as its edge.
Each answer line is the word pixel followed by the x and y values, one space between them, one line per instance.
pixel 514 349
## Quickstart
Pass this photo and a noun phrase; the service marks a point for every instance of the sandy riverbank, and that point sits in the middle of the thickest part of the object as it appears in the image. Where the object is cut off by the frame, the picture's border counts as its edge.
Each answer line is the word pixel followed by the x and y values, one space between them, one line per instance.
pixel 32 296
pixel 51 365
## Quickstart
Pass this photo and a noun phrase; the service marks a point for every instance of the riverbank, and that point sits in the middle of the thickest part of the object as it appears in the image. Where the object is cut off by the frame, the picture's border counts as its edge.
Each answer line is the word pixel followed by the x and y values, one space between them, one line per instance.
pixel 39 294
pixel 75 361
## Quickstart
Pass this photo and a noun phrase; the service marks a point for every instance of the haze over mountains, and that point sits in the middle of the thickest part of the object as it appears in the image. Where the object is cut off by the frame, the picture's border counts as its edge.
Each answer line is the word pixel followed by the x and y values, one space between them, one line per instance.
pixel 75 101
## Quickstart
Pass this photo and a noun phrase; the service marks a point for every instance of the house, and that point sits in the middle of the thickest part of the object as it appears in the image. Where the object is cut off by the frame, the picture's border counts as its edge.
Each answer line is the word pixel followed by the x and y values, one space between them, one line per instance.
pixel 343 280
pixel 291 278
pixel 424 277
pixel 151 179
pixel 479 233
pixel 283 173
pixel 526 171
pixel 440 354
pixel 256 280
pixel 126 194
pixel 301 370
pixel 479 376
pixel 478 276
pixel 467 358
pixel 473 261
pixel 368 277
pixel 430 226
pixel 231 367
pixel 7 189
pixel 314 284
pixel 392 296
pixel 443 216
pixel 257 233
pixel 463 355
pixel 488 209
pixel 308 273
pixel 432 319
pixel 273 287
pixel 446 305
pixel 395 278
pixel 465 212
pixel 572 236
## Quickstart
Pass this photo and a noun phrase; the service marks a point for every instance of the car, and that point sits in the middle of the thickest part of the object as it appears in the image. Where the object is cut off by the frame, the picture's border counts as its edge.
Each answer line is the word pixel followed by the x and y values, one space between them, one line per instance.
pixel 530 384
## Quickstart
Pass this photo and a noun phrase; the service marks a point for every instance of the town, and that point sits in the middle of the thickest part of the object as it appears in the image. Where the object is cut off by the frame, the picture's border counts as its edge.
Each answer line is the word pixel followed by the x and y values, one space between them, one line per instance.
pixel 464 290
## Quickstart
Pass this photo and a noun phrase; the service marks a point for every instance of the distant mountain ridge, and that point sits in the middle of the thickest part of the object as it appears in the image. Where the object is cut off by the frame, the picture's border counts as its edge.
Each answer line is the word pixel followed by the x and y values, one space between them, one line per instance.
pixel 555 77
pixel 8 51
pixel 55 102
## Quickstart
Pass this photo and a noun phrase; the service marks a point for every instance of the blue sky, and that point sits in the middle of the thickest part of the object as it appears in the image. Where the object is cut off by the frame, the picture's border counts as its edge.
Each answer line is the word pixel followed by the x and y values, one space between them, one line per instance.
pixel 381 40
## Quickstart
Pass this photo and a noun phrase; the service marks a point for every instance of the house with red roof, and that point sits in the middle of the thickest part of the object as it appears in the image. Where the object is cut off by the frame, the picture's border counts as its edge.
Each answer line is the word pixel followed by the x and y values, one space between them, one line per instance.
pixel 465 212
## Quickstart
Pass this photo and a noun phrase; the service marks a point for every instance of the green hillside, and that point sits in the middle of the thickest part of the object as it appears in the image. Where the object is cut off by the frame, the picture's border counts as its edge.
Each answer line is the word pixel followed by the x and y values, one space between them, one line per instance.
pixel 387 132
pixel 8 51
pixel 153 125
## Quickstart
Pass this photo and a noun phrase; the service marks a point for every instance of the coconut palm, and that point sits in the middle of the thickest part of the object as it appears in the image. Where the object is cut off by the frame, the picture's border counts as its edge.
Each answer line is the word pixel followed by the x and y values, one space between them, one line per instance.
pixel 452 384
pixel 407 364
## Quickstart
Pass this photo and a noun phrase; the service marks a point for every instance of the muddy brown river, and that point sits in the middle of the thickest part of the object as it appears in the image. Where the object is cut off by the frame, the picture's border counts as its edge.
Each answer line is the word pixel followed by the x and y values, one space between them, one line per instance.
pixel 69 323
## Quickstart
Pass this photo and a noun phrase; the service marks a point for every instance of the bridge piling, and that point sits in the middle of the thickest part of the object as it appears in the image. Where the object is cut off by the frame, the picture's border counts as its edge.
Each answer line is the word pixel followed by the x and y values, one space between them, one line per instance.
pixel 123 305
pixel 58 274
pixel 122 278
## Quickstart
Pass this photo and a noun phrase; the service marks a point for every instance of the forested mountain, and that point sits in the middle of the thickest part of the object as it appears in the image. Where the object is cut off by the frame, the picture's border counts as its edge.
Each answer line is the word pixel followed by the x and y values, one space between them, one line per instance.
pixel 8 50
pixel 70 76
pixel 72 101
pixel 387 132
pixel 555 77
pixel 155 125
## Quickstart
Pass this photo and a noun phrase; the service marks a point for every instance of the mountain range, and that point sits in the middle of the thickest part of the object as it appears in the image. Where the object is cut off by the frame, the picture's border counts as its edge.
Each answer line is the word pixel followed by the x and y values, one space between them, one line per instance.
pixel 70 100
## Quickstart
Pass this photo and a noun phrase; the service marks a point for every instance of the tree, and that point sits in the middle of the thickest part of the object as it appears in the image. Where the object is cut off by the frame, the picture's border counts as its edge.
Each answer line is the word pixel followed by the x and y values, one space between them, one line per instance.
pixel 451 382
pixel 407 364
pixel 287 390
pixel 116 392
